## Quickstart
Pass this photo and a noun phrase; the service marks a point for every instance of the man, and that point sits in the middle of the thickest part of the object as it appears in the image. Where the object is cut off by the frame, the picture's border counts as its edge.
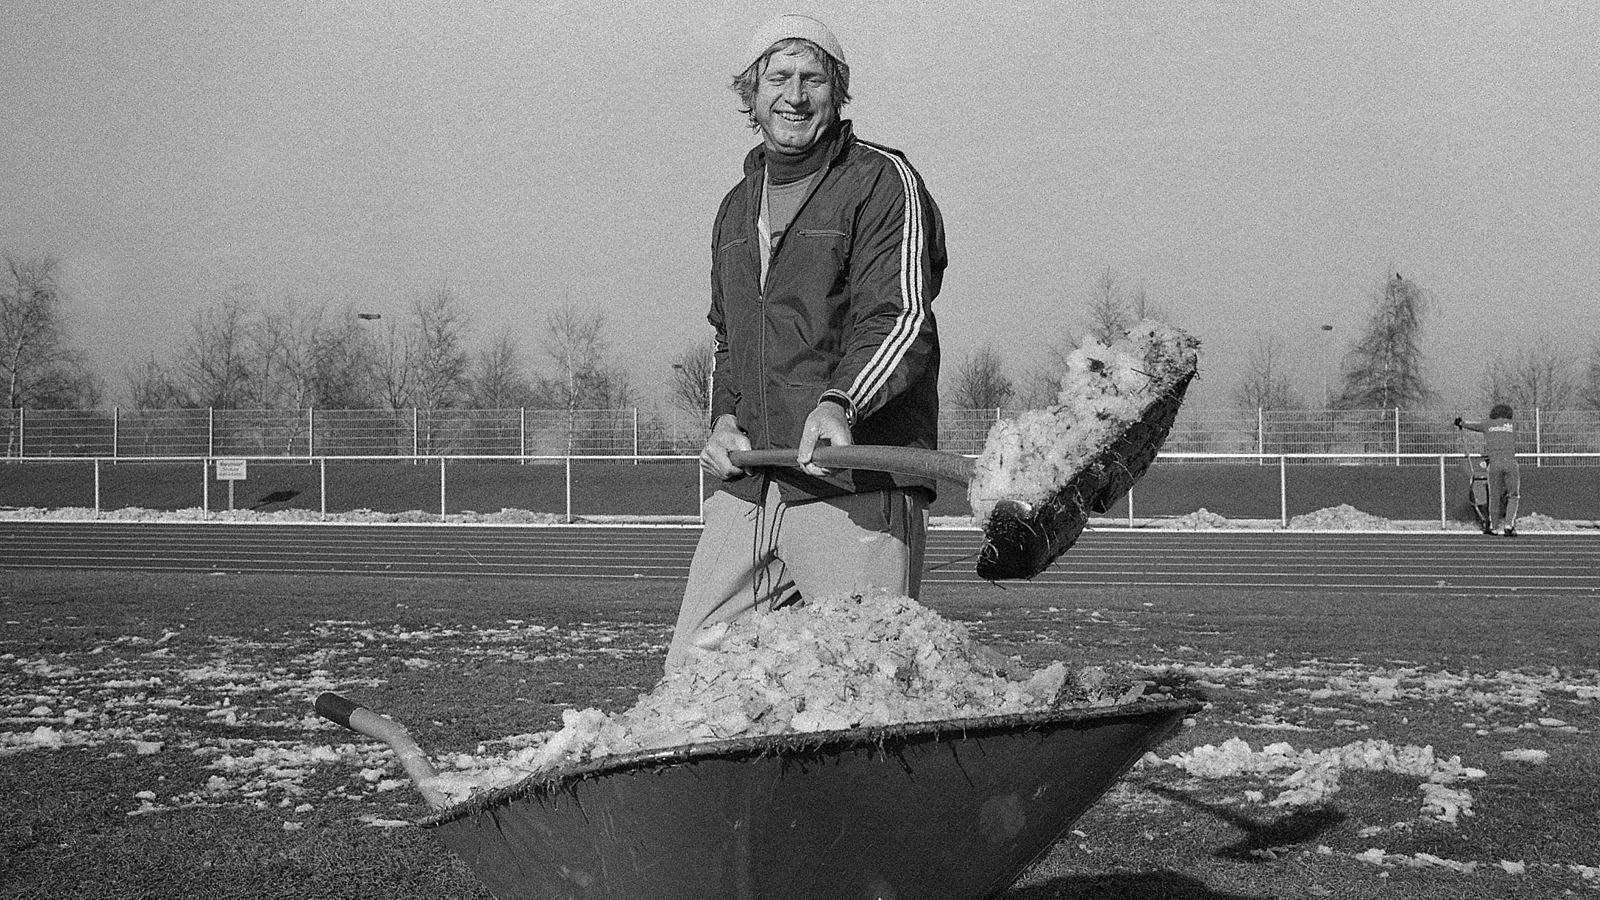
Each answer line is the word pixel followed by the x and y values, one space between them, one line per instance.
pixel 826 259
pixel 1500 445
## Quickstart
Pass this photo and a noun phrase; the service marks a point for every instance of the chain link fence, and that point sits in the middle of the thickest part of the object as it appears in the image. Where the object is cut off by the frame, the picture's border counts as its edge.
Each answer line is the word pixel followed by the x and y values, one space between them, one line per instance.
pixel 1407 434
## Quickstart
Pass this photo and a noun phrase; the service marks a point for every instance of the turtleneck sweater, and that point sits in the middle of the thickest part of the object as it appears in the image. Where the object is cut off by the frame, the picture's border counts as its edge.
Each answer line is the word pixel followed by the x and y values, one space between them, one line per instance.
pixel 783 168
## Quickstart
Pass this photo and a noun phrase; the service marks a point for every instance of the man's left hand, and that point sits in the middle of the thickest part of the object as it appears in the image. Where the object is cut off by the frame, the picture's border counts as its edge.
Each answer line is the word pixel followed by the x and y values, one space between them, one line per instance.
pixel 827 426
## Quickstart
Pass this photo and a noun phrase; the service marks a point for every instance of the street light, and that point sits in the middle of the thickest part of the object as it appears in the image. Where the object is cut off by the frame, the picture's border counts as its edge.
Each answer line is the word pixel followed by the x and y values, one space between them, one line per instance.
pixel 1326 400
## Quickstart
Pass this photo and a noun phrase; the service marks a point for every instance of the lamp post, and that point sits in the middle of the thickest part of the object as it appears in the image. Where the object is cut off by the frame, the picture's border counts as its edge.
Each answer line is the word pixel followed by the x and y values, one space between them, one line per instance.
pixel 1327 331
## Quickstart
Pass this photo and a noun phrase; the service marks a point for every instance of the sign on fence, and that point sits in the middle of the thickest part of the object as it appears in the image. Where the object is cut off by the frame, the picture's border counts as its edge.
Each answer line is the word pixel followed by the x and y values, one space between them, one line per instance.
pixel 230 470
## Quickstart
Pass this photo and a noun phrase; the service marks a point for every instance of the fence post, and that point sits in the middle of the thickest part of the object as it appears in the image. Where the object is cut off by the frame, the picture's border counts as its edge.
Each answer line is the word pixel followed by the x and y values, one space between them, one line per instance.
pixel 522 433
pixel 441 487
pixel 1397 435
pixel 1444 509
pixel 116 415
pixel 1283 491
pixel 205 488
pixel 636 435
pixel 415 430
pixel 311 432
pixel 569 485
pixel 1261 435
pixel 22 432
pixel 211 431
pixel 322 484
pixel 97 487
pixel 1538 438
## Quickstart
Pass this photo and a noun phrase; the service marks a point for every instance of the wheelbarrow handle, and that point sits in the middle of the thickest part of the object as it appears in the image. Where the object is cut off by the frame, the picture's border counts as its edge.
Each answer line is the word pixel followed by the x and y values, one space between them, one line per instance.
pixel 352 715
pixel 937 464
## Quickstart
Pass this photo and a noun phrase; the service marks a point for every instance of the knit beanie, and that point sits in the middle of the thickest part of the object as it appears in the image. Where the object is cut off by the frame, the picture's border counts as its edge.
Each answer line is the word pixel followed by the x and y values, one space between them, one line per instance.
pixel 793 26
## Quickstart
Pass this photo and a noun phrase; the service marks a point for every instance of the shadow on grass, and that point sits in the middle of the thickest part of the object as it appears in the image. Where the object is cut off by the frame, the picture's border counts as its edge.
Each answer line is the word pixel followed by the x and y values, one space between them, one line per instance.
pixel 274 498
pixel 1126 886
pixel 1260 835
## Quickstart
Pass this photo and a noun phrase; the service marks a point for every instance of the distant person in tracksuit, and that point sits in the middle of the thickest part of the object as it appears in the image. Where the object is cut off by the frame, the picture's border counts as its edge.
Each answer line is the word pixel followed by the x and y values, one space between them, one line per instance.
pixel 826 258
pixel 1500 445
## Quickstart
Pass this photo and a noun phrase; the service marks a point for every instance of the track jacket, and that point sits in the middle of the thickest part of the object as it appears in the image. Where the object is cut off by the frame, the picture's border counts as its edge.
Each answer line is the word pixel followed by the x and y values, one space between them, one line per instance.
pixel 1499 438
pixel 846 312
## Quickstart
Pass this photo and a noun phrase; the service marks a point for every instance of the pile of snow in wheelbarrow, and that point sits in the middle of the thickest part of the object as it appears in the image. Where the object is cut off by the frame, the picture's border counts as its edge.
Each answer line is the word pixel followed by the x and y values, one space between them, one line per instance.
pixel 833 663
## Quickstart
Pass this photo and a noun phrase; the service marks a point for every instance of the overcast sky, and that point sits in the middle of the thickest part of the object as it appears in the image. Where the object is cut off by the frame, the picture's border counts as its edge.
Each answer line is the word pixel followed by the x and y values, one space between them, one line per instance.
pixel 1257 167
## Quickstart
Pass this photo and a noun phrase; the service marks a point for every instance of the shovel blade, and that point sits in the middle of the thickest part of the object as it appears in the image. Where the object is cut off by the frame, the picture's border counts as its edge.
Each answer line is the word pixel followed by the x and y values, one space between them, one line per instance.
pixel 1020 541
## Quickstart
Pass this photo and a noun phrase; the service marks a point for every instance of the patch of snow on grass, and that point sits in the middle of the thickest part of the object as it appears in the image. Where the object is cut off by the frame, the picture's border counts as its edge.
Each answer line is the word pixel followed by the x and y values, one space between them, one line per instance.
pixel 1310 776
pixel 1342 517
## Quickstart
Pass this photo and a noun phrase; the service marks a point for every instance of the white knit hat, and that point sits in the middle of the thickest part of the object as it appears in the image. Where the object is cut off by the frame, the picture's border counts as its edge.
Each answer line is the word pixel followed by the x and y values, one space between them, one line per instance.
pixel 793 26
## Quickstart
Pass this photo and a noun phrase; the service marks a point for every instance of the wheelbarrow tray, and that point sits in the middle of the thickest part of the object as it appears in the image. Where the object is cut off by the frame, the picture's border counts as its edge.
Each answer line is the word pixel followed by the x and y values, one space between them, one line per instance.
pixel 950 809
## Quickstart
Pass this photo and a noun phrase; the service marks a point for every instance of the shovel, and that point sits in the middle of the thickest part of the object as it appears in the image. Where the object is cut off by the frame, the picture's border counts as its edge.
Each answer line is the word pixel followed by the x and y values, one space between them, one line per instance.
pixel 1020 540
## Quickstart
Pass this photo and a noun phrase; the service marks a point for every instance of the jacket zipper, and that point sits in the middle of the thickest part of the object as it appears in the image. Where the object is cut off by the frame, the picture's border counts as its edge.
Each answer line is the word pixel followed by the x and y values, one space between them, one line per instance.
pixel 771 264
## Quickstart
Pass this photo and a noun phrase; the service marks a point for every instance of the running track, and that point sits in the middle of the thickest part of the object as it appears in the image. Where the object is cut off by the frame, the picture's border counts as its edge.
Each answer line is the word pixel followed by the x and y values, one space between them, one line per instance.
pixel 1456 562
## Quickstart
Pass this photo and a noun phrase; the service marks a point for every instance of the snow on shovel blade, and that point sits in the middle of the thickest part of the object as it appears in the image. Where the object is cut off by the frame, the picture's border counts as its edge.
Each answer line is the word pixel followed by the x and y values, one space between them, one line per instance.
pixel 952 810
pixel 1021 541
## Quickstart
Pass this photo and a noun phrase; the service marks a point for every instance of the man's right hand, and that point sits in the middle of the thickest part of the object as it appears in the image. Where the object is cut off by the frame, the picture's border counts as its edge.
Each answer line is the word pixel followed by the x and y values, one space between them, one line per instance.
pixel 726 437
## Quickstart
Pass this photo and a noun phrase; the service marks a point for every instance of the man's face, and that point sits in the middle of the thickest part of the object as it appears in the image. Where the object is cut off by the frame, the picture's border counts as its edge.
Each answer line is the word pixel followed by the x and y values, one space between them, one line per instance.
pixel 794 102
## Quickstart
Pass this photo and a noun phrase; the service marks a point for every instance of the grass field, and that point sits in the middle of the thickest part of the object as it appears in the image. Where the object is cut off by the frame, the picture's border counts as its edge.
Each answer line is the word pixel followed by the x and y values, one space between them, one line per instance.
pixel 157 739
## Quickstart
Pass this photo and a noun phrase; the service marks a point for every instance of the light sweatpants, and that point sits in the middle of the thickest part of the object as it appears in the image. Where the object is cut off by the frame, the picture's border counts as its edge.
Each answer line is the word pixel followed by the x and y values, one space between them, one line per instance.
pixel 754 558
pixel 1504 478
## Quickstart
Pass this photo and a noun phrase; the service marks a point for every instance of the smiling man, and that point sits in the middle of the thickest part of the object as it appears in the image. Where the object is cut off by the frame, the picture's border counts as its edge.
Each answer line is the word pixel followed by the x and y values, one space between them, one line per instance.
pixel 826 258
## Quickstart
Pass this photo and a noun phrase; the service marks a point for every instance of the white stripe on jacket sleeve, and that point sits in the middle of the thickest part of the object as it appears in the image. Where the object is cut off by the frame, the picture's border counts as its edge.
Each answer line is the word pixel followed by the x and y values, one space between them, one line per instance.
pixel 913 304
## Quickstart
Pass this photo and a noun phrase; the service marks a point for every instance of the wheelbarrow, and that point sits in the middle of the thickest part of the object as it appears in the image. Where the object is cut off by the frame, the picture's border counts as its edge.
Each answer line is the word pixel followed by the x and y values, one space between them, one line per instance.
pixel 1476 468
pixel 948 810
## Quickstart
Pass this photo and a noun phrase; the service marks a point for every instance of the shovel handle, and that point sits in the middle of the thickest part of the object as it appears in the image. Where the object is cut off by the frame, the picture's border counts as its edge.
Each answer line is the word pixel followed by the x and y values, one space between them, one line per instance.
pixel 352 715
pixel 916 461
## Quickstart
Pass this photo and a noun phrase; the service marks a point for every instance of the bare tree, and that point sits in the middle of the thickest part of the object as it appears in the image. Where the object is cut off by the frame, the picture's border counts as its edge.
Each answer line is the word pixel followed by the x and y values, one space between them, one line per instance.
pixel 282 347
pixel 690 389
pixel 499 377
pixel 1041 385
pixel 1538 375
pixel 1110 308
pixel 1384 367
pixel 980 382
pixel 584 377
pixel 154 386
pixel 391 366
pixel 1265 383
pixel 1141 307
pixel 438 353
pixel 213 361
pixel 1590 395
pixel 343 352
pixel 38 369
